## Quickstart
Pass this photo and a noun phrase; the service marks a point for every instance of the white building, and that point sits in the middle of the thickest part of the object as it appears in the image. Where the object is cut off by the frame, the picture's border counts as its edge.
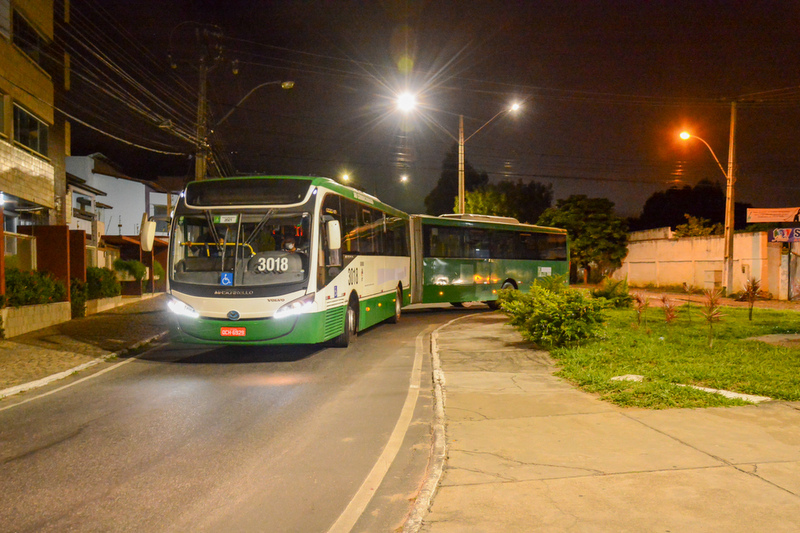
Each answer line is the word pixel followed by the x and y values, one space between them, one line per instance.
pixel 125 199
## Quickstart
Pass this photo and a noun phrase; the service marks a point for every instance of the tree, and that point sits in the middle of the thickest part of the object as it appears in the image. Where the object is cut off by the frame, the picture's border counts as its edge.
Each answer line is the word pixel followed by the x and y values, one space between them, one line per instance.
pixel 441 198
pixel 705 200
pixel 697 227
pixel 525 202
pixel 598 238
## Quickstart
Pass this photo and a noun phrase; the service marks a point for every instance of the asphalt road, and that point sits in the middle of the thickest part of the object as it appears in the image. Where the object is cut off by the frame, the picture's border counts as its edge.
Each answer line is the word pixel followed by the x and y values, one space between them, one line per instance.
pixel 184 438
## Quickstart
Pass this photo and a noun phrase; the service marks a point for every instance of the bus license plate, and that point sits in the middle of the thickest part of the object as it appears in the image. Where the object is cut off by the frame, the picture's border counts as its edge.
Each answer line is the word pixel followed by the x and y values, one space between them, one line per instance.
pixel 233 332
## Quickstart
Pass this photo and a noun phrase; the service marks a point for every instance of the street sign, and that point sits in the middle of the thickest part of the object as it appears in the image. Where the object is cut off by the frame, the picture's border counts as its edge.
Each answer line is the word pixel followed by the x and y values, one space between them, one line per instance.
pixel 774 214
pixel 784 235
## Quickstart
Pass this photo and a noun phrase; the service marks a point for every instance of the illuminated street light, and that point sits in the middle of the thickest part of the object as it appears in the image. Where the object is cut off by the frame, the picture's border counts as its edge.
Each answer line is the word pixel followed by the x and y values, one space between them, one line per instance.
pixel 461 141
pixel 403 178
pixel 407 102
pixel 345 177
pixel 730 178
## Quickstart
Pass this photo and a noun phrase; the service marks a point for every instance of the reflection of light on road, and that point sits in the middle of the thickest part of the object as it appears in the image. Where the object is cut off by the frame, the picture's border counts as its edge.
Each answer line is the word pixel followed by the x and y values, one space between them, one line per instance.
pixel 271 380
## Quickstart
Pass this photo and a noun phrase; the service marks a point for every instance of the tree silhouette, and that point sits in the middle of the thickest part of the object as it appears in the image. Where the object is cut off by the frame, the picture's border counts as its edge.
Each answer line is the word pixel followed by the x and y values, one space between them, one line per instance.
pixel 523 201
pixel 669 208
pixel 442 198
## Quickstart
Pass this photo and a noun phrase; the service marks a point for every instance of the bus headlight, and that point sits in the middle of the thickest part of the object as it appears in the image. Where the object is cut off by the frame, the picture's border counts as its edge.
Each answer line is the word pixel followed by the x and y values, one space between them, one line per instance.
pixel 182 309
pixel 296 307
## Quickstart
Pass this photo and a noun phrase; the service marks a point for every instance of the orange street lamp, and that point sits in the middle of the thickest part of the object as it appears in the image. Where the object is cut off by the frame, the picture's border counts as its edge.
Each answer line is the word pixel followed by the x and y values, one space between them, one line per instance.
pixel 730 178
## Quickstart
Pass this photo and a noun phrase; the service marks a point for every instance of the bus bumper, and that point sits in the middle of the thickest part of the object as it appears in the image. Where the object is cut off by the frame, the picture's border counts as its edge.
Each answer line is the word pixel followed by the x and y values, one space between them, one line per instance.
pixel 309 328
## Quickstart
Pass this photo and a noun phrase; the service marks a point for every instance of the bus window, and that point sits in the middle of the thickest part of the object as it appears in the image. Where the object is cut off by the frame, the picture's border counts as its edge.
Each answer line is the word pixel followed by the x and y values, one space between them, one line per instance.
pixel 478 243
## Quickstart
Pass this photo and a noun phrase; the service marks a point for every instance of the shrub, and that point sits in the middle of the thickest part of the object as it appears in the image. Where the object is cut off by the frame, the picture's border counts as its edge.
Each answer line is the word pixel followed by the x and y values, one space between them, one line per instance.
pixel 133 267
pixel 77 293
pixel 552 319
pixel 158 270
pixel 616 292
pixel 102 283
pixel 31 288
pixel 554 283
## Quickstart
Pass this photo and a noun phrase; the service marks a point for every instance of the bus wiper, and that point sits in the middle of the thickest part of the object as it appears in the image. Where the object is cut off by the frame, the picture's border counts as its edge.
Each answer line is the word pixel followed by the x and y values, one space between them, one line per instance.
pixel 260 225
pixel 213 229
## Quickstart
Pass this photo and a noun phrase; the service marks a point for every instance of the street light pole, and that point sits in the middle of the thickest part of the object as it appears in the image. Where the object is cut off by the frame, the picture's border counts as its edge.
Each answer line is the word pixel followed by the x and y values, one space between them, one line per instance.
pixel 284 85
pixel 730 179
pixel 727 265
pixel 462 190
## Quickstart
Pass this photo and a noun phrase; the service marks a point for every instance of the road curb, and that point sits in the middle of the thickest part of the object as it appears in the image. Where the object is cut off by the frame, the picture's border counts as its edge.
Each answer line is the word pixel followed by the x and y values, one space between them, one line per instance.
pixel 439 445
pixel 17 389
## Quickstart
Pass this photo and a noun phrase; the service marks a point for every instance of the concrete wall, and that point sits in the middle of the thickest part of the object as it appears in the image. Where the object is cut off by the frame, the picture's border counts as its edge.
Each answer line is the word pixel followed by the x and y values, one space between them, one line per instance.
pixel 698 261
pixel 20 320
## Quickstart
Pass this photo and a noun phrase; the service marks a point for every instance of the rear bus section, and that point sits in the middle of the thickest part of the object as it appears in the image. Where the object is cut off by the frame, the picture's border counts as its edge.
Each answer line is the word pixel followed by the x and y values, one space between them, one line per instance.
pixel 470 258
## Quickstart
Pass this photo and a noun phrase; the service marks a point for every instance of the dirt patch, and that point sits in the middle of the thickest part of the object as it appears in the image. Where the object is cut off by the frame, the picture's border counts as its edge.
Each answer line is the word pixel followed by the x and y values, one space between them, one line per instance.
pixel 785 340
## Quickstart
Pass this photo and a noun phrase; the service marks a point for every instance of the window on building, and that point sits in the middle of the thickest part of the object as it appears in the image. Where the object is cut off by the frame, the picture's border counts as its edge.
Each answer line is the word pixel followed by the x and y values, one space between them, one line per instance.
pixel 162 226
pixel 5 18
pixel 28 39
pixel 30 131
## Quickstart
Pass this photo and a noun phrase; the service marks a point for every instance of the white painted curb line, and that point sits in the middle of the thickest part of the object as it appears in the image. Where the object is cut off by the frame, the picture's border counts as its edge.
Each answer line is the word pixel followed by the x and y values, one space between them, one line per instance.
pixel 61 375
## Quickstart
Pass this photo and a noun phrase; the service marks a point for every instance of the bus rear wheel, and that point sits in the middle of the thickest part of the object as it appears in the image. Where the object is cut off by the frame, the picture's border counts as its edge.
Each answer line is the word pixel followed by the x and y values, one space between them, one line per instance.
pixel 350 327
pixel 398 305
pixel 494 304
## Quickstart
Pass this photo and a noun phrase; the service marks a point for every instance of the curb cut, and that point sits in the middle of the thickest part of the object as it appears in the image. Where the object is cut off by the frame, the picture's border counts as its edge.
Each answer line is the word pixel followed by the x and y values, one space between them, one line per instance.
pixel 11 391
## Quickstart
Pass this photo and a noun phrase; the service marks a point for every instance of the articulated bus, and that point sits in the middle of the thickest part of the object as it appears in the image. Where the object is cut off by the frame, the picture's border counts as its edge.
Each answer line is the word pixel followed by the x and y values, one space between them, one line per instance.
pixel 304 260
pixel 468 258
pixel 284 260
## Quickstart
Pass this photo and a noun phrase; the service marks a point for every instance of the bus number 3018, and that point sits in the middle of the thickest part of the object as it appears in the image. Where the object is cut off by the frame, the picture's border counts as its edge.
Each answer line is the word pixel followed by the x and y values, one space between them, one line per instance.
pixel 352 276
pixel 272 264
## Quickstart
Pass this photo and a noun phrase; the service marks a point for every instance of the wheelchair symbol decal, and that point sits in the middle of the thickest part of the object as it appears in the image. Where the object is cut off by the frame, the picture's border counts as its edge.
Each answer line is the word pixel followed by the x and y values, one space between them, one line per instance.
pixel 226 278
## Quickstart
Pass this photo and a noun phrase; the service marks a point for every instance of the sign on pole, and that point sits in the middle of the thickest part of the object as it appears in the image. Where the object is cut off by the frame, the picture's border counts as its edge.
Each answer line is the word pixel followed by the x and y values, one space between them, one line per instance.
pixel 774 214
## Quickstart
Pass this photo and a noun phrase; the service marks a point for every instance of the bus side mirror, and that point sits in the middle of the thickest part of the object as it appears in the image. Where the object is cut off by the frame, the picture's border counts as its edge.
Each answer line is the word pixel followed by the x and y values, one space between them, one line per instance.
pixel 147 234
pixel 334 235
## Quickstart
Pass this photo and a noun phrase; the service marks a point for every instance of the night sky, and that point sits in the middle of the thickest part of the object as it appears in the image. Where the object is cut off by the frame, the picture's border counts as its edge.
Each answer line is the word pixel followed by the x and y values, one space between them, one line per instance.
pixel 606 88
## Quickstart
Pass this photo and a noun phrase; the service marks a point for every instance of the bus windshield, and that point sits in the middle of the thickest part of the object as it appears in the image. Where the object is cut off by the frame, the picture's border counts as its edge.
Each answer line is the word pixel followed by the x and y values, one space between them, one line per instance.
pixel 247 248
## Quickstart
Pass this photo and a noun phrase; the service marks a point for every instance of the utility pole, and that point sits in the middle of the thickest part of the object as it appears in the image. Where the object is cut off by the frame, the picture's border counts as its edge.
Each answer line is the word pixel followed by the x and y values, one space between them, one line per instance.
pixel 462 203
pixel 727 265
pixel 209 44
pixel 201 156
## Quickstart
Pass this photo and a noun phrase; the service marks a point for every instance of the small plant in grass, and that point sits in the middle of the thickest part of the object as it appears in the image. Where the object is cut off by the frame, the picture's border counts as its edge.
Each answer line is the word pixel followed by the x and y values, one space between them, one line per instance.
pixel 670 309
pixel 689 289
pixel 615 291
pixel 752 288
pixel 712 311
pixel 641 303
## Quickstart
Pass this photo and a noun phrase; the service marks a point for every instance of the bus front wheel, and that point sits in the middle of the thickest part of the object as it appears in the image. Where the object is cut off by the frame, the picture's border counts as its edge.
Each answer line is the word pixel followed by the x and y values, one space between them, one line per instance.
pixel 350 327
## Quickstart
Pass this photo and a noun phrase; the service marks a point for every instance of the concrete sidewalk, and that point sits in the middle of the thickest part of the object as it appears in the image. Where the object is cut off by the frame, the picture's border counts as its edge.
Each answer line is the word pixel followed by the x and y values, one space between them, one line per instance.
pixel 31 360
pixel 529 452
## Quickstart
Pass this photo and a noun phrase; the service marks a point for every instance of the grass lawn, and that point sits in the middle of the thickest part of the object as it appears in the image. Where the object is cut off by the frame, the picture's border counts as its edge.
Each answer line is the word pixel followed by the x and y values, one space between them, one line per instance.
pixel 668 355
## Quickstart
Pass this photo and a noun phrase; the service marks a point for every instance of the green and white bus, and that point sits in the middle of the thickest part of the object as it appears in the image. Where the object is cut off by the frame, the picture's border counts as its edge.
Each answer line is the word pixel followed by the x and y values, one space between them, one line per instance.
pixel 468 258
pixel 284 260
